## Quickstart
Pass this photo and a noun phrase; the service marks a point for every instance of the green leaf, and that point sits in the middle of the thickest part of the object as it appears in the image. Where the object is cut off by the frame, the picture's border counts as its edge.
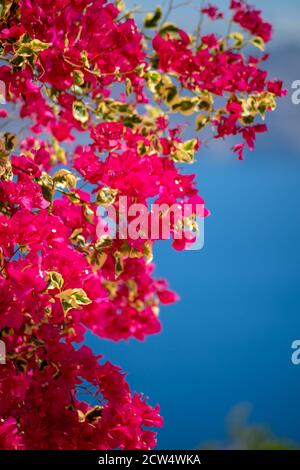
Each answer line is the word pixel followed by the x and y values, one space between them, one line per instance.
pixel 238 39
pixel 25 51
pixel 131 121
pixel 119 263
pixel 106 196
pixel 29 48
pixel 94 414
pixel 46 182
pixel 73 298
pixel 120 5
pixel 128 85
pixel 148 251
pixel 162 86
pixel 38 46
pixel 153 78
pixel 201 121
pixel 85 60
pixel 168 28
pixel 5 174
pixel 185 151
pixel 59 152
pixel 9 141
pixel 186 106
pixel 259 43
pixel 54 280
pixel 171 94
pixel 77 238
pixel 73 197
pixel 65 179
pixel 205 101
pixel 88 214
pixel 152 19
pixel 80 112
pixel 78 76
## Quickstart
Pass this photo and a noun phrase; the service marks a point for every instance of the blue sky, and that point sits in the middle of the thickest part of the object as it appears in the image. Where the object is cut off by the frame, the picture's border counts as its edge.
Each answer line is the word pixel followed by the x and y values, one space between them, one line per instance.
pixel 284 15
pixel 229 338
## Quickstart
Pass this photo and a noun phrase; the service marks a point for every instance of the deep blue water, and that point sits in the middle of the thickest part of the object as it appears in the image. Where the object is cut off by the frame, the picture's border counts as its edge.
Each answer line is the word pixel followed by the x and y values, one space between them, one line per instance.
pixel 229 338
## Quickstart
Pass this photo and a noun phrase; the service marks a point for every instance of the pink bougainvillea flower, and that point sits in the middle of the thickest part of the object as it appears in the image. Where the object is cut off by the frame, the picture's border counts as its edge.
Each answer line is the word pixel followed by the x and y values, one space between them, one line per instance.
pixel 212 12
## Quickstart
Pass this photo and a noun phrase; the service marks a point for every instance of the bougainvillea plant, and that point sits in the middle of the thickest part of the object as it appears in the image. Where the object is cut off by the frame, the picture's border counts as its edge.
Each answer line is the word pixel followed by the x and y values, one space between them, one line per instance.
pixel 96 109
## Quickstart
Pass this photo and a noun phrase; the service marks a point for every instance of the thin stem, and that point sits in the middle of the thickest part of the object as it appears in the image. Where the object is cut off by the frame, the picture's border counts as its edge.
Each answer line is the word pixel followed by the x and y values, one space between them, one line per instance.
pixel 228 32
pixel 83 185
pixel 183 4
pixel 126 15
pixel 79 199
pixel 6 123
pixel 200 23
pixel 21 169
pixel 9 259
pixel 98 73
pixel 168 11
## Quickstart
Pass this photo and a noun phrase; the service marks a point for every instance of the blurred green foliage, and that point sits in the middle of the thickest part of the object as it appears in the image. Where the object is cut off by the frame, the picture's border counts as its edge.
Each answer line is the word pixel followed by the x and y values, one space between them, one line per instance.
pixel 245 436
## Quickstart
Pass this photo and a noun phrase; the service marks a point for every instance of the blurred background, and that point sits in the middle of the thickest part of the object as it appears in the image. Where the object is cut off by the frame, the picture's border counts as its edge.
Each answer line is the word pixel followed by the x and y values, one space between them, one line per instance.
pixel 228 341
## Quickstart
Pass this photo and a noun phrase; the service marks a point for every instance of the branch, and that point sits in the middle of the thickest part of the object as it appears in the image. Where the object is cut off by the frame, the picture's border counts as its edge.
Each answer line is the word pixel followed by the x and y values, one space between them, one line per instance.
pixel 200 23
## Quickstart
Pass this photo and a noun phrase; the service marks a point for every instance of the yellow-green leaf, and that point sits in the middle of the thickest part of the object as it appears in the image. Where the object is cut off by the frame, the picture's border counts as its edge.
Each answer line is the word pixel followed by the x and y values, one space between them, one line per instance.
pixel 73 197
pixel 186 106
pixel 78 76
pixel 238 38
pixel 152 19
pixel 119 263
pixel 38 46
pixel 201 121
pixel 65 179
pixel 185 151
pixel 88 213
pixel 106 196
pixel 259 43
pixel 148 251
pixel 54 280
pixel 84 58
pixel 46 182
pixel 27 49
pixel 73 298
pixel 59 153
pixel 80 112
pixel 168 28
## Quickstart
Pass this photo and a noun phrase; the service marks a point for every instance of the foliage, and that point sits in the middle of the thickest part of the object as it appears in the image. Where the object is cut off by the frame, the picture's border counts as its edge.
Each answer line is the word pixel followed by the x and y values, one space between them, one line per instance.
pixel 245 436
